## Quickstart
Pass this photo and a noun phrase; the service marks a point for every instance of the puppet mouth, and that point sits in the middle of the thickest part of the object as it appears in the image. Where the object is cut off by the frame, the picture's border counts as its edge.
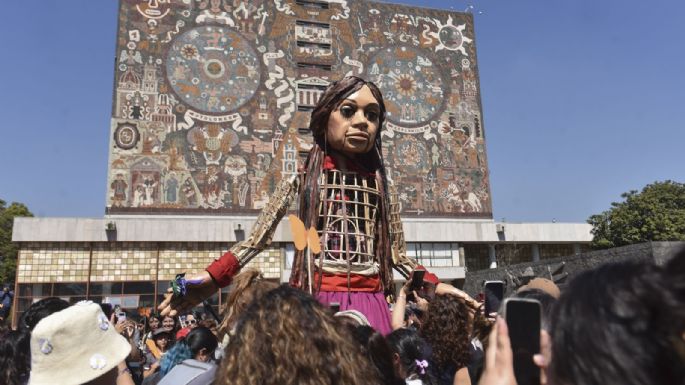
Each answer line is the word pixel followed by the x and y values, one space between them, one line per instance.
pixel 359 136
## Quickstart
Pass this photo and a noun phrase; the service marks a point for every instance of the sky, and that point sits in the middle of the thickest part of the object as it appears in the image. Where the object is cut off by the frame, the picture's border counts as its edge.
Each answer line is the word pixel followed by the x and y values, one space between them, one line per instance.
pixel 582 100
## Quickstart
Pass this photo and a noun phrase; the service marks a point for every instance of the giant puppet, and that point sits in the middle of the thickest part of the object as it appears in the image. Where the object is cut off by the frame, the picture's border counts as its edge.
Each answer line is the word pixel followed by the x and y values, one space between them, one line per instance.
pixel 345 196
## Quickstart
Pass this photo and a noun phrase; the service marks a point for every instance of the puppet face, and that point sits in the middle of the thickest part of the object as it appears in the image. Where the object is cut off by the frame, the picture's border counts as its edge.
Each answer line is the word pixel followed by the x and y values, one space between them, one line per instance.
pixel 353 125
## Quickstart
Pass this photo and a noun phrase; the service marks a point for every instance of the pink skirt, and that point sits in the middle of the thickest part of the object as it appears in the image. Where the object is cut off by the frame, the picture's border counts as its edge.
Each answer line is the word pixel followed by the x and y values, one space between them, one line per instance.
pixel 372 304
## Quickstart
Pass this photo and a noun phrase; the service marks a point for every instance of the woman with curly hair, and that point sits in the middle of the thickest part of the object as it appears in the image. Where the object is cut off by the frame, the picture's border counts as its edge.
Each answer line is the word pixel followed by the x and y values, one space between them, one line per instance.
pixel 447 329
pixel 287 337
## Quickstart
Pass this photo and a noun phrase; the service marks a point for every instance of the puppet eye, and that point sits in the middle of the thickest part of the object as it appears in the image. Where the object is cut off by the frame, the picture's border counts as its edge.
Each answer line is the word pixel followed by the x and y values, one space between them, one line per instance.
pixel 347 111
pixel 372 115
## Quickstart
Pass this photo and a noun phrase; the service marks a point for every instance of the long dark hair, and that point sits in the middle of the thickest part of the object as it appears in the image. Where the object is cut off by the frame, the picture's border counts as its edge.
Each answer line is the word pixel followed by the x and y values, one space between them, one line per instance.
pixel 198 339
pixel 15 357
pixel 331 98
pixel 621 323
pixel 413 351
pixel 375 347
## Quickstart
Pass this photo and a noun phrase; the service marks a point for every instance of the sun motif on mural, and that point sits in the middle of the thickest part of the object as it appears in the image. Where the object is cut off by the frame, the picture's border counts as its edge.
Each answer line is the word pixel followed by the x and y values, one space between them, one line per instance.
pixel 213 69
pixel 405 84
pixel 451 36
pixel 412 85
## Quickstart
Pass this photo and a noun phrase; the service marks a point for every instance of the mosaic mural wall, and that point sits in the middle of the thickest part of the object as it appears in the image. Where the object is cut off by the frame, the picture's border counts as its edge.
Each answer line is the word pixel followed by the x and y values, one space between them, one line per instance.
pixel 212 100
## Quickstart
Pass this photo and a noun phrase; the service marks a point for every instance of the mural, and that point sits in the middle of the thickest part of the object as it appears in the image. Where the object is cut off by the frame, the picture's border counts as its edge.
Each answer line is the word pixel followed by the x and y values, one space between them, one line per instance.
pixel 212 99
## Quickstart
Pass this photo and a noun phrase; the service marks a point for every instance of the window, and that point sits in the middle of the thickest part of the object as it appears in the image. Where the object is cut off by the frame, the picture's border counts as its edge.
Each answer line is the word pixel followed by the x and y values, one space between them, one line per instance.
pixel 312 4
pixel 434 254
pixel 476 256
pixel 323 67
pixel 308 95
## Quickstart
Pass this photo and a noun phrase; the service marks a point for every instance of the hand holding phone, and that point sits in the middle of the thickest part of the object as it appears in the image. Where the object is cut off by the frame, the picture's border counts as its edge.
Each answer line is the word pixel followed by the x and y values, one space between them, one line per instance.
pixel 493 293
pixel 121 317
pixel 523 321
pixel 417 280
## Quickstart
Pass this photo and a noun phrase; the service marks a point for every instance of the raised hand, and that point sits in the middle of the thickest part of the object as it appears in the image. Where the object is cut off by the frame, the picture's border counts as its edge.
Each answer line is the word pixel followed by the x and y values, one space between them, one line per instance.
pixel 198 288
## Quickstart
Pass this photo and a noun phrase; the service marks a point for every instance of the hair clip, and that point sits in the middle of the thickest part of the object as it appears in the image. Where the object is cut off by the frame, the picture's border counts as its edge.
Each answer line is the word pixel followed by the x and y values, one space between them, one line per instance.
pixel 423 364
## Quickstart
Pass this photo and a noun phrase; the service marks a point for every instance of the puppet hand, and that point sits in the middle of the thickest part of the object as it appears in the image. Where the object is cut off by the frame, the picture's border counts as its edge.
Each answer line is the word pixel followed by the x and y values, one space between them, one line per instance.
pixel 198 289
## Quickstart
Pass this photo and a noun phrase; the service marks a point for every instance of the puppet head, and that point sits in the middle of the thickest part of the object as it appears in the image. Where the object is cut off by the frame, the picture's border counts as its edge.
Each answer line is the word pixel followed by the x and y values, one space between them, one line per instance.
pixel 336 111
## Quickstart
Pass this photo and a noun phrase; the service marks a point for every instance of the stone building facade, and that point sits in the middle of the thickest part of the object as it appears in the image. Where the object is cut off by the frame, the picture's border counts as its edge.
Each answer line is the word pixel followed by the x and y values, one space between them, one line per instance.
pixel 210 109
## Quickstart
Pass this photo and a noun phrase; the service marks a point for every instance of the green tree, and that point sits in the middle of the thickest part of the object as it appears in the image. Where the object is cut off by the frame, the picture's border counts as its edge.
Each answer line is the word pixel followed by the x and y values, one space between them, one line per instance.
pixel 8 250
pixel 657 213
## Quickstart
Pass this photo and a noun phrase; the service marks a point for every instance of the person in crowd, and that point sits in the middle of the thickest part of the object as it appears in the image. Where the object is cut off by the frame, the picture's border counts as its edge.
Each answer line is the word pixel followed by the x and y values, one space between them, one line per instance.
pixel 189 362
pixel 410 356
pixel 163 339
pixel 6 298
pixel 447 329
pixel 621 323
pixel 352 318
pixel 191 320
pixel 211 325
pixel 400 318
pixel 128 328
pixel 78 345
pixel 15 360
pixel 287 337
pixel 543 284
pixel 169 322
pixel 154 321
pixel 376 349
pixel 41 309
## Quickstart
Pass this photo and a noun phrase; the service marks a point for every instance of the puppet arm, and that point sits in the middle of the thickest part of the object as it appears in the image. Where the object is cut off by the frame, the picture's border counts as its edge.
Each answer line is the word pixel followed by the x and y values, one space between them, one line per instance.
pixel 406 265
pixel 403 264
pixel 223 269
pixel 220 273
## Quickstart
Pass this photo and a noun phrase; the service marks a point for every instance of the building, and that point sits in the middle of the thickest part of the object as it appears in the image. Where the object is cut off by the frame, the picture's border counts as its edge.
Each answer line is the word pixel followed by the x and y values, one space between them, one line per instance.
pixel 210 110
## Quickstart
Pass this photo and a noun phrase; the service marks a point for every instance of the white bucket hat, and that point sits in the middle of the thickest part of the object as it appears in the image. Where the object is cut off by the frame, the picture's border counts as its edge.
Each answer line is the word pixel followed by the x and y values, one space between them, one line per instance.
pixel 74 346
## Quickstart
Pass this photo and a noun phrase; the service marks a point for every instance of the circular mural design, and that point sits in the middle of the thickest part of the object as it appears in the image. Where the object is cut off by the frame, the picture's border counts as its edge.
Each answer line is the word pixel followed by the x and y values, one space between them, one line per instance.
pixel 410 154
pixel 451 37
pixel 213 69
pixel 126 136
pixel 412 86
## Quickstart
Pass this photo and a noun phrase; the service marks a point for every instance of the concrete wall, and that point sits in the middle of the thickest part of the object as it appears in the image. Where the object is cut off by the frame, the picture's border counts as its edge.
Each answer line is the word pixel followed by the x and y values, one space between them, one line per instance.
pixel 659 252
pixel 222 229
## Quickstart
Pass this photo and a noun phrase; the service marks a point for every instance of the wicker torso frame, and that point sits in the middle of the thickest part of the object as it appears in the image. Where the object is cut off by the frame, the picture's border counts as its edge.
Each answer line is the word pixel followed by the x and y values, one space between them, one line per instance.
pixel 347 219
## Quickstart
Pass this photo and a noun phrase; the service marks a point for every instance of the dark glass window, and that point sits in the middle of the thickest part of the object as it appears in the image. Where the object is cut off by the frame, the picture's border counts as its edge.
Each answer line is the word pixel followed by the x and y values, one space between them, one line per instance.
pixel 69 289
pixel 35 289
pixel 105 288
pixel 143 287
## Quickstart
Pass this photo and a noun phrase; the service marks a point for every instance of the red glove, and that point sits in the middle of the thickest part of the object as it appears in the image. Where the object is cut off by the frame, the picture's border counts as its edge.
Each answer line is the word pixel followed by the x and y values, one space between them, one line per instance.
pixel 223 269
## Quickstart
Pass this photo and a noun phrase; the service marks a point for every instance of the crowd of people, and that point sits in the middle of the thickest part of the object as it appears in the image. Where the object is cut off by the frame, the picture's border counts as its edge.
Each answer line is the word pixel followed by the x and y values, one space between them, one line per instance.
pixel 621 323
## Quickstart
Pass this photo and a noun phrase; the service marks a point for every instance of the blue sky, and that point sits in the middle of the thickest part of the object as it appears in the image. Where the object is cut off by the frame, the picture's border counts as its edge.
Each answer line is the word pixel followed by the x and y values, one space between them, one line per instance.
pixel 582 100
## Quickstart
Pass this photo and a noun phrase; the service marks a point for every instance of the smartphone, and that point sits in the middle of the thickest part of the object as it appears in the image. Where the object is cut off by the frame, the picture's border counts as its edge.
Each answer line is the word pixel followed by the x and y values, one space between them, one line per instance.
pixel 523 321
pixel 107 309
pixel 493 293
pixel 417 280
pixel 335 307
pixel 121 316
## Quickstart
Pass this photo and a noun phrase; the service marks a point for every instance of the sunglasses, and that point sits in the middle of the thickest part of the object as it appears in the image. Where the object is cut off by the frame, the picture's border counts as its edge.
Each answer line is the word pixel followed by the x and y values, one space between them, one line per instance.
pixel 192 321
